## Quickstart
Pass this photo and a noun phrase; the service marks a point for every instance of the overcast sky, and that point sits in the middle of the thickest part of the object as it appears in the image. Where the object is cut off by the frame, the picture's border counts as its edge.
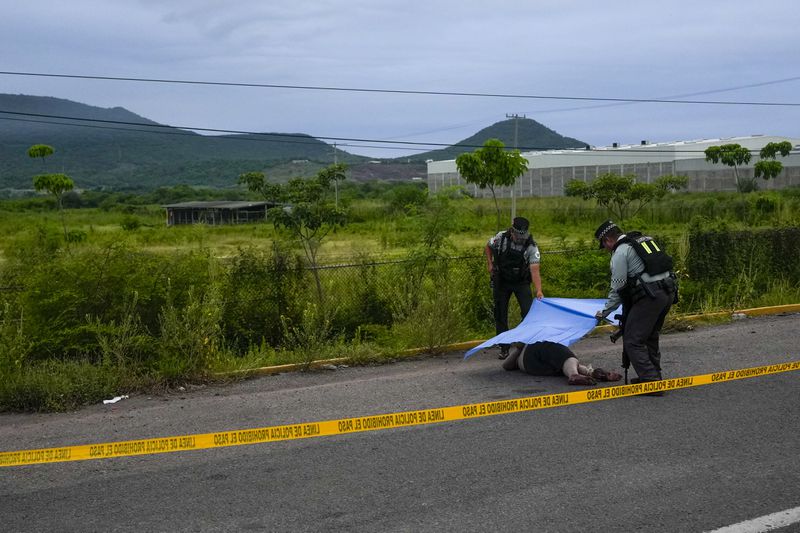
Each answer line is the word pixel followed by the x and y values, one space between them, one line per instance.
pixel 734 50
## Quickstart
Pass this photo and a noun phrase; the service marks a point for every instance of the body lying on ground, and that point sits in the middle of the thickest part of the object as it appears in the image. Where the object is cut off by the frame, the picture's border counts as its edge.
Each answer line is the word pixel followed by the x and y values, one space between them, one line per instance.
pixel 547 358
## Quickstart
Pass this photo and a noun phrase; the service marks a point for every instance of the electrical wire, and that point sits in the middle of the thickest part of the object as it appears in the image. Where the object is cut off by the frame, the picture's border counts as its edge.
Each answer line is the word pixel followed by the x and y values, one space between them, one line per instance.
pixel 270 137
pixel 261 137
pixel 401 91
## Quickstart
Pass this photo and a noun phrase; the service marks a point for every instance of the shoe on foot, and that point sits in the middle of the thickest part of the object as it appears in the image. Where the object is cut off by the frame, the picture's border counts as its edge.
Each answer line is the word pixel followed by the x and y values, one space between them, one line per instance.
pixel 503 352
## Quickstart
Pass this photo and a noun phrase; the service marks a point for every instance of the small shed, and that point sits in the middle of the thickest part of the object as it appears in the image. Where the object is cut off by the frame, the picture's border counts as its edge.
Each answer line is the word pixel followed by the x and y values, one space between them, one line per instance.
pixel 217 213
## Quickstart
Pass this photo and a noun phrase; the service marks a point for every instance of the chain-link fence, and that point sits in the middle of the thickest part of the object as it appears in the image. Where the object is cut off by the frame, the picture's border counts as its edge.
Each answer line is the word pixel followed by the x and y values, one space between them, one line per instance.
pixel 371 295
pixel 264 295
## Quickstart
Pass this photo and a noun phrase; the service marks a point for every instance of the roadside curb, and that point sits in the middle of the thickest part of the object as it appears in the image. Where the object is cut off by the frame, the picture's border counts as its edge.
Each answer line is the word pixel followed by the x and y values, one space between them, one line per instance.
pixel 466 345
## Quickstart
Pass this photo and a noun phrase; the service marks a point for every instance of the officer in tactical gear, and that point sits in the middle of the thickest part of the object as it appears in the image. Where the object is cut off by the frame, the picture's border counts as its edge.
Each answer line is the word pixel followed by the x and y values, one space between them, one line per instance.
pixel 512 258
pixel 643 282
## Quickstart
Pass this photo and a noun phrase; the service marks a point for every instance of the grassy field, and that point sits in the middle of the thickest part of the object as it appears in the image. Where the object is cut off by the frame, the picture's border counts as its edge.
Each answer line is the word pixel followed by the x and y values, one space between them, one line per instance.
pixel 130 304
pixel 555 222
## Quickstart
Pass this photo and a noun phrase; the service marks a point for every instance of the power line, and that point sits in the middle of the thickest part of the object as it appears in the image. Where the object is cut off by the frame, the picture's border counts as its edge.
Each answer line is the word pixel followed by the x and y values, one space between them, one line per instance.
pixel 159 127
pixel 403 91
pixel 259 137
pixel 674 96
pixel 602 106
pixel 295 138
pixel 182 133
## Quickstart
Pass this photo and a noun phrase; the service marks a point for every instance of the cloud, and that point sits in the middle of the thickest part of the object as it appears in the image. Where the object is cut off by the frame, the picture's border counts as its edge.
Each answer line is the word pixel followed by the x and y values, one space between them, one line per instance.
pixel 566 48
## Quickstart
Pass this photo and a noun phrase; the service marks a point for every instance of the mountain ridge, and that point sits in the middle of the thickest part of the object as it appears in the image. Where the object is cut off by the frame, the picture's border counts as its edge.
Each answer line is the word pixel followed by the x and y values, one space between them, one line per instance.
pixel 117 149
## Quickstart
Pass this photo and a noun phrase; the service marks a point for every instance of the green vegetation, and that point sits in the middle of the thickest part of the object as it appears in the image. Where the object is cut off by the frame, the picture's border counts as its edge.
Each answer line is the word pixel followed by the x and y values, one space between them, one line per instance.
pixel 136 305
pixel 768 167
pixel 492 166
pixel 735 155
pixel 56 184
pixel 621 195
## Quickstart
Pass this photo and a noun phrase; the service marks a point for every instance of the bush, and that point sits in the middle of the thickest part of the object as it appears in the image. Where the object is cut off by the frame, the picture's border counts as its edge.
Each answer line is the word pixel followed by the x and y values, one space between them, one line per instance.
pixel 576 274
pixel 437 319
pixel 190 337
pixel 71 296
pixel 740 266
pixel 257 290
pixel 130 223
pixel 723 255
pixel 14 345
pixel 360 295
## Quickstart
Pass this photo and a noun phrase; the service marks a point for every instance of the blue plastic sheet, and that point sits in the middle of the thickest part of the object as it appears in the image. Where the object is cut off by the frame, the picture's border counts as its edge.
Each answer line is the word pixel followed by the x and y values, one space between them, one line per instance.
pixel 562 320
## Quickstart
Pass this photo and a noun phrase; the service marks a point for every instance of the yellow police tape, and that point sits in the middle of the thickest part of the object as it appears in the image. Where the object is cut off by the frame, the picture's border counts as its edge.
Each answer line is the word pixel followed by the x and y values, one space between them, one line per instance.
pixel 370 423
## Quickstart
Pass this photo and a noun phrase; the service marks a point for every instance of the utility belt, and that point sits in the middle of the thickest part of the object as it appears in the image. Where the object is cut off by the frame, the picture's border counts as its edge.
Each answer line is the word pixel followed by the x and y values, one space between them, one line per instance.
pixel 514 275
pixel 666 284
pixel 637 288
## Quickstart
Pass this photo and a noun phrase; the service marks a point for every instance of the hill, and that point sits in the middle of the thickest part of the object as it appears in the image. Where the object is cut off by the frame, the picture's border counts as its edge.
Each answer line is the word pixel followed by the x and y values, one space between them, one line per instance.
pixel 531 136
pixel 116 149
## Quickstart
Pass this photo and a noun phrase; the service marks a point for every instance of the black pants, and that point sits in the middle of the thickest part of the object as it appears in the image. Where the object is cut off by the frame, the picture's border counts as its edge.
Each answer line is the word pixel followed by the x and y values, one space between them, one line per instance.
pixel 502 295
pixel 642 329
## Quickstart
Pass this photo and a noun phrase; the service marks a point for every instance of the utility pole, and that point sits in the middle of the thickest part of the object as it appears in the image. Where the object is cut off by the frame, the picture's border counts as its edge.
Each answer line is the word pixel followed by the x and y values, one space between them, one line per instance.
pixel 335 182
pixel 516 118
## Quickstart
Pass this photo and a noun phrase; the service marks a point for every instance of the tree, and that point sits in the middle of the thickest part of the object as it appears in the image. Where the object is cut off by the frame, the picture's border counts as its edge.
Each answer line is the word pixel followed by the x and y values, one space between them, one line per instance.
pixel 621 195
pixel 767 167
pixel 334 173
pixel 732 155
pixel 40 150
pixel 492 166
pixel 57 185
pixel 309 216
pixel 257 182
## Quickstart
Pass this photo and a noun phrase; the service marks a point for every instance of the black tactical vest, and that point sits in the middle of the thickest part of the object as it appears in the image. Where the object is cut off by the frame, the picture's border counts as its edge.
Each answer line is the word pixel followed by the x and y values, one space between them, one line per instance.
pixel 509 259
pixel 656 261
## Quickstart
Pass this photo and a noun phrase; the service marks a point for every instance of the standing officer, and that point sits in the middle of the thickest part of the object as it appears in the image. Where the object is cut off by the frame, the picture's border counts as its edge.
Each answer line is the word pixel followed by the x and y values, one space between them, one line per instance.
pixel 513 261
pixel 641 279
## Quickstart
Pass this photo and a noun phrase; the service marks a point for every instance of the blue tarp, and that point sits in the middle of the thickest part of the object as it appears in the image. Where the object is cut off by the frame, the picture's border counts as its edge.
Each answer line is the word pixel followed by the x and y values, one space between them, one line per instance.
pixel 562 320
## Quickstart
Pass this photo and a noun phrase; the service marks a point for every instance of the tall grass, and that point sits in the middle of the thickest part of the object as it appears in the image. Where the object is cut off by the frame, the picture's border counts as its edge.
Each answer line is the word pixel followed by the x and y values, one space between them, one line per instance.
pixel 137 305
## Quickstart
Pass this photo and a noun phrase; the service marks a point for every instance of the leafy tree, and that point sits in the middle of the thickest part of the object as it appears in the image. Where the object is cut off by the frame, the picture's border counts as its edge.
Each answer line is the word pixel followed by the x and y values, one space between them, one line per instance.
pixel 621 195
pixel 406 198
pixel 57 185
pixel 334 173
pixel 40 150
pixel 492 166
pixel 309 216
pixel 767 167
pixel 257 182
pixel 732 155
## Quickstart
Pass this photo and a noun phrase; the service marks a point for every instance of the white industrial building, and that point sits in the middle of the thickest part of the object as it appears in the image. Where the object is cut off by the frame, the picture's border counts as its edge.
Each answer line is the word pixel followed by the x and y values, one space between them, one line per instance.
pixel 549 171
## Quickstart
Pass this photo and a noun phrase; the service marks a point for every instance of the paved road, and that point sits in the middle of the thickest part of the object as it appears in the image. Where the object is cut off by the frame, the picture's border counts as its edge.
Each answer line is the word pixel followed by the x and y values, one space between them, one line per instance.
pixel 694 460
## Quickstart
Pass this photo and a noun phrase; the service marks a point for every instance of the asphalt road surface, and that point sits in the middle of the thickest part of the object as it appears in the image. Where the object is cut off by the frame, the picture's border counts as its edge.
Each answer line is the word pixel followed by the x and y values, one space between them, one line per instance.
pixel 695 459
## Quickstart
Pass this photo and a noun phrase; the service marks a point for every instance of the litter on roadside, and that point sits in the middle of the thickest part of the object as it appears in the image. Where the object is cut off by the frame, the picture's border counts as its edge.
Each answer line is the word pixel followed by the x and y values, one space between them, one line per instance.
pixel 115 399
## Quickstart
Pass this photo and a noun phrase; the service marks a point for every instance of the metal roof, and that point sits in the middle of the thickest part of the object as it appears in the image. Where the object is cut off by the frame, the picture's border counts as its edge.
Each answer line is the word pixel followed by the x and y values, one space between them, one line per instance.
pixel 219 205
